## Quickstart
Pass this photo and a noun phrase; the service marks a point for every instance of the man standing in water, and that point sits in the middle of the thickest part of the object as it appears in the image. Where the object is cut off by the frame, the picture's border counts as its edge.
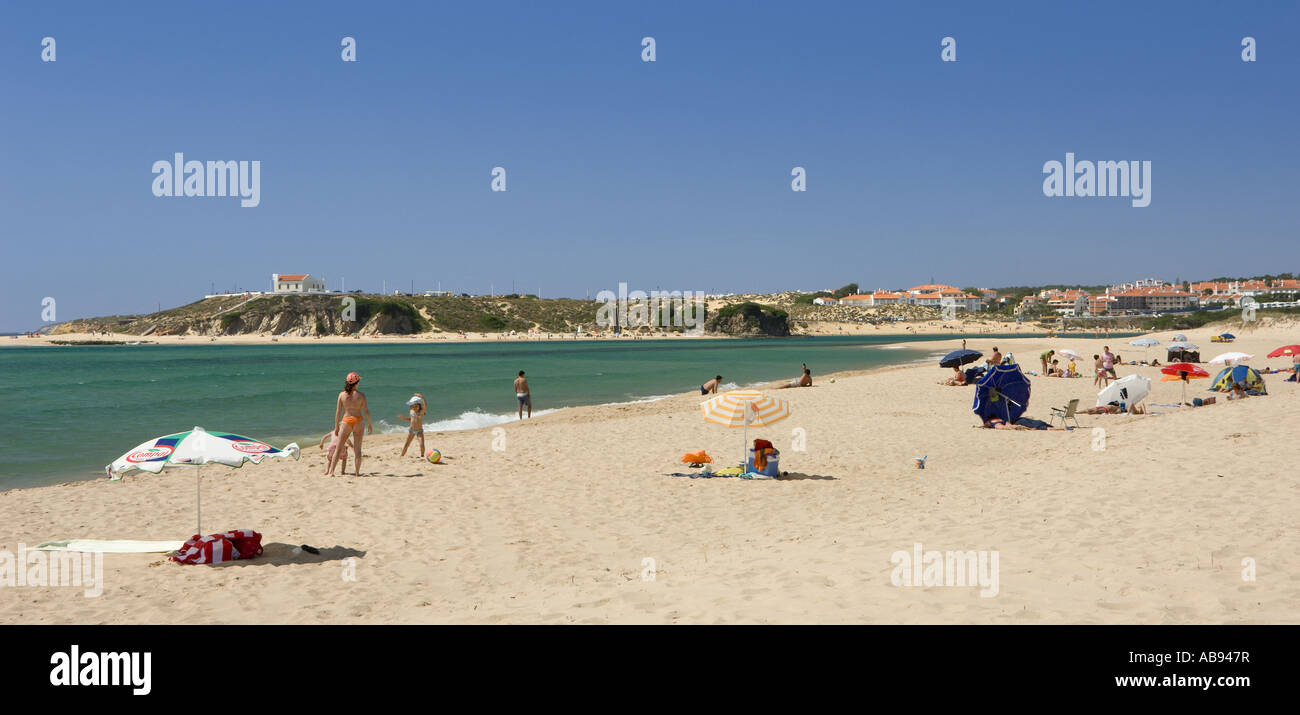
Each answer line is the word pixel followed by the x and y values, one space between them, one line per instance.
pixel 523 395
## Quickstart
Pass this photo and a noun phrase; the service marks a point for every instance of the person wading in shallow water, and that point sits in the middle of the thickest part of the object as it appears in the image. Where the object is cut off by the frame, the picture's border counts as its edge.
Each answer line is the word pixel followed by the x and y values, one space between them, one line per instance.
pixel 523 395
pixel 348 412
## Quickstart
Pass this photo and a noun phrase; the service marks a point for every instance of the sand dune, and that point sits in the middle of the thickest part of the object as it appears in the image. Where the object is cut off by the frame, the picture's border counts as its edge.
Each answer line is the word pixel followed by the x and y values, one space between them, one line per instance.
pixel 557 527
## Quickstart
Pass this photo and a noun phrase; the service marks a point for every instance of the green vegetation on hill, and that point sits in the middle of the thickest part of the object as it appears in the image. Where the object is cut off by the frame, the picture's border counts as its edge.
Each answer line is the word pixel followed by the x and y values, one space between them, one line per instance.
pixel 749 318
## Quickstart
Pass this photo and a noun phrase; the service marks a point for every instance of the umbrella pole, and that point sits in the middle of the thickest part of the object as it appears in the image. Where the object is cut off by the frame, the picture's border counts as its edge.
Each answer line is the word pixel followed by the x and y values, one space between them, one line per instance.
pixel 198 497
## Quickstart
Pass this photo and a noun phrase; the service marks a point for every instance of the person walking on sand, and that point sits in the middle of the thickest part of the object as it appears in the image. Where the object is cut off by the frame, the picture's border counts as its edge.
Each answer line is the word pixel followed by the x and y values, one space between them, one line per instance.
pixel 416 408
pixel 523 395
pixel 1099 365
pixel 711 386
pixel 1108 361
pixel 349 410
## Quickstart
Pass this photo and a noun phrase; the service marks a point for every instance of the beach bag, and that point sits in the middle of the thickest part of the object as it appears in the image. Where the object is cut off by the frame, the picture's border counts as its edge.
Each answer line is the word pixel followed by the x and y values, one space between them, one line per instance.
pixel 219 548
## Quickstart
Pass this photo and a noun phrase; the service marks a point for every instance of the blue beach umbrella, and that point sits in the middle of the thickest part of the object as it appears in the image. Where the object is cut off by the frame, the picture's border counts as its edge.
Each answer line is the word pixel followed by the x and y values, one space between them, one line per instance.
pixel 957 358
pixel 1002 392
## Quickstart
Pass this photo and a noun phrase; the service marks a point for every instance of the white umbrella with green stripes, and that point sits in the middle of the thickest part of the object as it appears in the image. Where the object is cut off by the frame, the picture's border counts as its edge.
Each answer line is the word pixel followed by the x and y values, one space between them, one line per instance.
pixel 195 449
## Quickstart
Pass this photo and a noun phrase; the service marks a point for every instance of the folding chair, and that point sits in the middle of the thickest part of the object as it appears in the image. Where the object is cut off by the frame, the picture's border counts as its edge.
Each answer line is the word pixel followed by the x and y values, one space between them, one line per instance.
pixel 1065 413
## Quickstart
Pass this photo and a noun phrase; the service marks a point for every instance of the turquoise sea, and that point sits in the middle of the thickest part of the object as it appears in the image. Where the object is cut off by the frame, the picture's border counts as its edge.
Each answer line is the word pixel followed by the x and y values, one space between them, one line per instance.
pixel 71 410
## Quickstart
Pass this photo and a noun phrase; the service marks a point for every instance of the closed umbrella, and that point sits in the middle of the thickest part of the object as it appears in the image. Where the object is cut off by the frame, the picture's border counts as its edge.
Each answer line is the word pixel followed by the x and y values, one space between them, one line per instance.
pixel 742 408
pixel 195 449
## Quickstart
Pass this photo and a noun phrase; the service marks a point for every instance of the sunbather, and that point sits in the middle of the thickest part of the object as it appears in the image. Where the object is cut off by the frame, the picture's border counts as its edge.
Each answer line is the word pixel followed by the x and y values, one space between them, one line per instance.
pixel 1024 423
pixel 804 381
pixel 958 378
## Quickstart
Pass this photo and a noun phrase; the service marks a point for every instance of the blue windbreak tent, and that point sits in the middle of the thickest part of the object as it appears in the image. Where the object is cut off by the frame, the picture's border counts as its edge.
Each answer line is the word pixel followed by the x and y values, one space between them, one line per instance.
pixel 1248 376
pixel 1002 392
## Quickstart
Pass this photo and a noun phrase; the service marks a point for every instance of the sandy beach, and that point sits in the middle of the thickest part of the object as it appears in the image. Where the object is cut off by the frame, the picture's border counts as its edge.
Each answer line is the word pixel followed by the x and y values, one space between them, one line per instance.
pixel 571 518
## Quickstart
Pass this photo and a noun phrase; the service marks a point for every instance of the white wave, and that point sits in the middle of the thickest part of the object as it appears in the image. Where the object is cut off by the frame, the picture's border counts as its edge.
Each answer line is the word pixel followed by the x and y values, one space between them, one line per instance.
pixel 473 419
pixel 893 347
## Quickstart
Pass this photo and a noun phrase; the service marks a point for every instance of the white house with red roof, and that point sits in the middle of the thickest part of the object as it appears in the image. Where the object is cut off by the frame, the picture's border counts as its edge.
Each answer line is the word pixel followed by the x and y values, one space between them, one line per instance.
pixel 296 283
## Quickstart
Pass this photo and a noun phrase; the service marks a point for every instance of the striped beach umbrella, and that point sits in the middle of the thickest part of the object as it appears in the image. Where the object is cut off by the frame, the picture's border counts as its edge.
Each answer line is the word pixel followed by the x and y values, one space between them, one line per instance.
pixel 195 449
pixel 742 408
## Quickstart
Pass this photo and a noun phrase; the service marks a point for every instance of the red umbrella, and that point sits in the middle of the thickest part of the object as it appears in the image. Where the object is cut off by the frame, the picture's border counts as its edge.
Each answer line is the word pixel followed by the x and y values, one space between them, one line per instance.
pixel 1178 368
pixel 1285 350
pixel 1182 371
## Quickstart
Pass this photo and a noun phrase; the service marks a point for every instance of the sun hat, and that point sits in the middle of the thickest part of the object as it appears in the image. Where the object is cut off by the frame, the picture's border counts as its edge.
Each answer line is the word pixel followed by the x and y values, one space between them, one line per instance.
pixel 353 377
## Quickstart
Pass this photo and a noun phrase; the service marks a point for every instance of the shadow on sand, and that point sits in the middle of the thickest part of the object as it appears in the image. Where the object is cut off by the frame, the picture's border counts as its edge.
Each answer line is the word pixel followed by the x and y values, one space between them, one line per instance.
pixel 792 476
pixel 277 554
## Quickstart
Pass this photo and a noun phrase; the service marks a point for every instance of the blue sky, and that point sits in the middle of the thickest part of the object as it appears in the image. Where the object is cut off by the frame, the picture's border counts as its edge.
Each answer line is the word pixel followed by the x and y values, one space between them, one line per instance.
pixel 673 174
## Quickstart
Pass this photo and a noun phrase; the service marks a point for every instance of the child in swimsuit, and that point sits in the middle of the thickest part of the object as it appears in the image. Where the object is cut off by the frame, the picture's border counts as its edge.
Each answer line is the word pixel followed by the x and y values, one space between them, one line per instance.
pixel 333 440
pixel 416 419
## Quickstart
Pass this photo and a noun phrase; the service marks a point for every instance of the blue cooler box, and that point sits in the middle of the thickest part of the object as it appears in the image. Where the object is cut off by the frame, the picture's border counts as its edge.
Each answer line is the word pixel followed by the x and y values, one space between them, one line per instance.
pixel 773 464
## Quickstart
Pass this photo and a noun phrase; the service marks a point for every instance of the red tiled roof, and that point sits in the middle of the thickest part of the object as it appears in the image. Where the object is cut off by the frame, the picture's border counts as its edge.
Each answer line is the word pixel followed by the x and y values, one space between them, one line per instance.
pixel 294 277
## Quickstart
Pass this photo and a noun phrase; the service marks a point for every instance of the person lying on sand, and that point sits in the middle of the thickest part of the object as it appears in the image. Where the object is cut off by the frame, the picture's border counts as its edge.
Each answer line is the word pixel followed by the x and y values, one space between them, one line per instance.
pixel 958 378
pixel 1024 423
pixel 804 381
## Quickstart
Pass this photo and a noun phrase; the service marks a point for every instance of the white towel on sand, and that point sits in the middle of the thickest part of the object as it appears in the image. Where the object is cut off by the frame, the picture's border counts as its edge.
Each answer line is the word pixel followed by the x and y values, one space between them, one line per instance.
pixel 111 546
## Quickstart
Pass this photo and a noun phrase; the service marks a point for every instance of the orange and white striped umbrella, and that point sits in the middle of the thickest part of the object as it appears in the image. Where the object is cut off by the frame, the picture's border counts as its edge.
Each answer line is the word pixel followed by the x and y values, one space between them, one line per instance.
pixel 742 408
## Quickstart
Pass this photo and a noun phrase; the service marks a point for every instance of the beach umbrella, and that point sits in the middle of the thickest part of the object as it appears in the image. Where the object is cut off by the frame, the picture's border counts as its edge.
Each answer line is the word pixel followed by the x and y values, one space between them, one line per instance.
pixel 1285 350
pixel 1177 369
pixel 957 358
pixel 195 448
pixel 1227 358
pixel 742 408
pixel 1182 345
pixel 1066 352
pixel 1130 390
pixel 1003 392
pixel 1227 336
pixel 1183 371
pixel 1144 343
pixel 1179 336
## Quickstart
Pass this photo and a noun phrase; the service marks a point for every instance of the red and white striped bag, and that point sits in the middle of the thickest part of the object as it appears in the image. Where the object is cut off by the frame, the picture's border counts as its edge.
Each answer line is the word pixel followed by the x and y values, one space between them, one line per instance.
pixel 219 548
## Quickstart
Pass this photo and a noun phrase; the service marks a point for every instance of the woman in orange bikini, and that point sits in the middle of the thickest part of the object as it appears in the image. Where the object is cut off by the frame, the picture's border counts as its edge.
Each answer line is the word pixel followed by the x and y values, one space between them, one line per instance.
pixel 348 411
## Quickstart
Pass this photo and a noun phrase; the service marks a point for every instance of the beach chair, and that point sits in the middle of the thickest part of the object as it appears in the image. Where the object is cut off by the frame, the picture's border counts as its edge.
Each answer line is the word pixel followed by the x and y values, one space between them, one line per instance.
pixel 1065 413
